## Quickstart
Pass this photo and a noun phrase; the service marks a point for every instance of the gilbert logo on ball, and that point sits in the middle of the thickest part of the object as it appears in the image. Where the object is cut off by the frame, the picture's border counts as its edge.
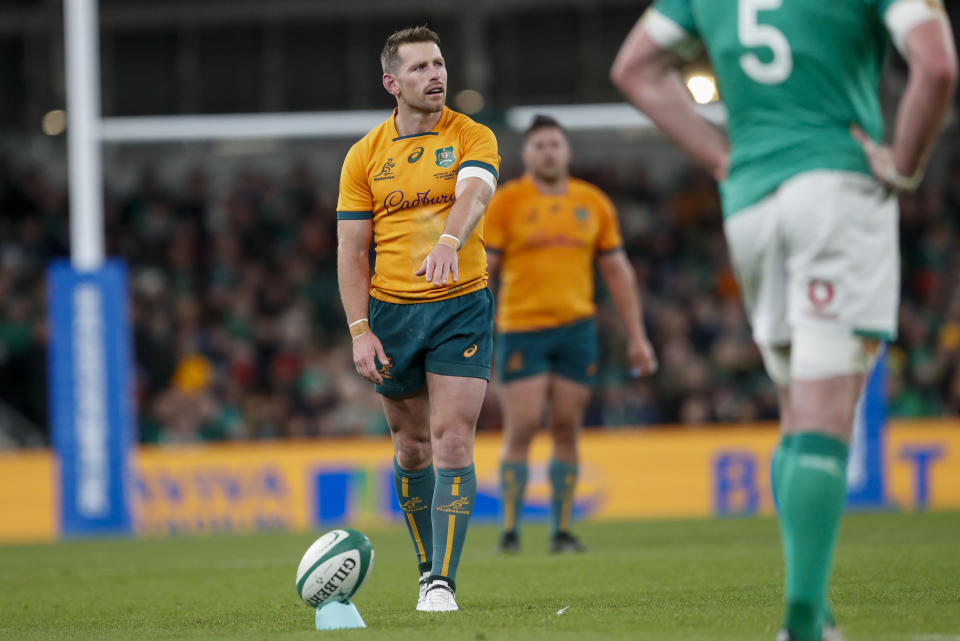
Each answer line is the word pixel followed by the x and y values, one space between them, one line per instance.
pixel 334 567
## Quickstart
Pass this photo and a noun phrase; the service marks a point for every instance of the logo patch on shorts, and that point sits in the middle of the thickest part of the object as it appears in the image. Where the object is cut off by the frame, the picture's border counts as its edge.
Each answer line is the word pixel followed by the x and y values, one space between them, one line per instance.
pixel 820 292
pixel 385 370
pixel 470 351
pixel 515 362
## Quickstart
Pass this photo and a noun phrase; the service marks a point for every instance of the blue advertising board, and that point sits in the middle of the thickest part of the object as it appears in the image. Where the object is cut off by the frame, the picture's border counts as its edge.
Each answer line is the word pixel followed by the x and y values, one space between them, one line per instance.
pixel 91 397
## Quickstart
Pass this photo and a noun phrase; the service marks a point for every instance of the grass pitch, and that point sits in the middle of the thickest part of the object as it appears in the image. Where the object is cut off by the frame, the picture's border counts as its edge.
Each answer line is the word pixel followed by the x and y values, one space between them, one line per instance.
pixel 897 578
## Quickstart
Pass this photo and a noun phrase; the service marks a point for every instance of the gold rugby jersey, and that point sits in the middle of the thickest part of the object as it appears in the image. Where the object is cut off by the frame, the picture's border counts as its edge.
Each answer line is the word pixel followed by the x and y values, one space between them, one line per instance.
pixel 548 244
pixel 406 185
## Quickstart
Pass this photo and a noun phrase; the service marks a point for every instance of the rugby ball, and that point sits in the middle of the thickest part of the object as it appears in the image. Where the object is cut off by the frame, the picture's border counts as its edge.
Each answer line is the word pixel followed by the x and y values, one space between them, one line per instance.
pixel 334 567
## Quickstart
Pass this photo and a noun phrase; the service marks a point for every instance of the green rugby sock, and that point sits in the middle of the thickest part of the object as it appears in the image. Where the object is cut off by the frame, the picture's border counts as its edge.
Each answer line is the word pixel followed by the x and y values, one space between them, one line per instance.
pixel 776 479
pixel 513 484
pixel 415 493
pixel 563 480
pixel 777 463
pixel 453 501
pixel 812 492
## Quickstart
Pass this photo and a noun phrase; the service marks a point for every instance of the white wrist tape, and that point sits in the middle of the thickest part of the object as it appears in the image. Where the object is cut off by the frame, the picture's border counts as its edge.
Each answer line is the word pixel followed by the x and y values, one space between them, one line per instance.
pixel 452 238
pixel 903 183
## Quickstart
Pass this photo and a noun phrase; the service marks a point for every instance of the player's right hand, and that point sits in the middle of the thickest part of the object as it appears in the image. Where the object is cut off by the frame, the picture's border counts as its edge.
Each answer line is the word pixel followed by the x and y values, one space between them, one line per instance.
pixel 440 265
pixel 643 360
pixel 366 348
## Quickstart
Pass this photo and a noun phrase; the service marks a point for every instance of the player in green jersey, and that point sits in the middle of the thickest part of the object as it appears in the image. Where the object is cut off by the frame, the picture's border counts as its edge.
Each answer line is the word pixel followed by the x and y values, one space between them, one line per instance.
pixel 810 215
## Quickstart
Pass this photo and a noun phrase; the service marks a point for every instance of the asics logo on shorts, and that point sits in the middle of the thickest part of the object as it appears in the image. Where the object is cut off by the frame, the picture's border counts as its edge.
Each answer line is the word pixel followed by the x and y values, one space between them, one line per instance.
pixel 470 351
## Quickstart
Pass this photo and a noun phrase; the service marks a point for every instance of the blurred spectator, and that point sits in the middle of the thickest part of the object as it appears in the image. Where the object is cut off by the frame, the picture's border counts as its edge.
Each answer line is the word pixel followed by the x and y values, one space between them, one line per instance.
pixel 238 330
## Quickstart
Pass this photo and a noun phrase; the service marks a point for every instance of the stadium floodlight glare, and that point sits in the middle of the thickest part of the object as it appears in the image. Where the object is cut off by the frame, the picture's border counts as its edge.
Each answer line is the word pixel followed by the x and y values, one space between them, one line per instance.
pixel 54 122
pixel 469 101
pixel 702 88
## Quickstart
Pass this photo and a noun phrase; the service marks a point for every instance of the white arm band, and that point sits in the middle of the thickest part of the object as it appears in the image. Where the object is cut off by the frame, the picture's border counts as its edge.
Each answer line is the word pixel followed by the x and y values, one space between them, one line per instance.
pixel 904 15
pixel 478 172
pixel 671 36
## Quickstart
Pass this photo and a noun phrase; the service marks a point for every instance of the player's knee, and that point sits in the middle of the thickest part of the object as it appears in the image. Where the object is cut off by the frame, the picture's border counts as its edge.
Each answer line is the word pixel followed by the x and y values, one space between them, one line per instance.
pixel 453 447
pixel 564 431
pixel 412 451
pixel 518 437
pixel 821 353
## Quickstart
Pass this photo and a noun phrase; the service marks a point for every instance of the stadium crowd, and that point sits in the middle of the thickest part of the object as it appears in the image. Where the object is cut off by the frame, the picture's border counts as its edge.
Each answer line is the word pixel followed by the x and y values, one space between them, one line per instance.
pixel 239 332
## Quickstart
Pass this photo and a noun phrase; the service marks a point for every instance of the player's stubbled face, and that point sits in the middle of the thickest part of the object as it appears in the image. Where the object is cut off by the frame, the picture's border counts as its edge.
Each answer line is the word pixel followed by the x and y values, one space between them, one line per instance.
pixel 422 76
pixel 546 154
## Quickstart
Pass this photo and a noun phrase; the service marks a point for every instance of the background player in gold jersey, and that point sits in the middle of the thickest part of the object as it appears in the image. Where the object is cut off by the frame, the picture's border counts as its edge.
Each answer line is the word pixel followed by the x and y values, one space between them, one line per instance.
pixel 544 231
pixel 422 327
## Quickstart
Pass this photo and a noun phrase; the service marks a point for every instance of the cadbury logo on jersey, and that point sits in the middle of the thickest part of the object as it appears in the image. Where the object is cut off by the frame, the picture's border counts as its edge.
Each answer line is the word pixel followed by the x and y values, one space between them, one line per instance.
pixel 398 201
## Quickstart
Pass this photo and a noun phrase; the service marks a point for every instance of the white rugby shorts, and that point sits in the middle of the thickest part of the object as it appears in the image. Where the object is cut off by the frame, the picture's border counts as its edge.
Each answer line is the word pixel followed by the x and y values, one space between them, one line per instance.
pixel 822 251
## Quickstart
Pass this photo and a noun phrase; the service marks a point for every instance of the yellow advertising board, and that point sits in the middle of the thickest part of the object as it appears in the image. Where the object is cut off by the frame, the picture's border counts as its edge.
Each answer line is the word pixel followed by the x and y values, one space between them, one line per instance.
pixel 625 474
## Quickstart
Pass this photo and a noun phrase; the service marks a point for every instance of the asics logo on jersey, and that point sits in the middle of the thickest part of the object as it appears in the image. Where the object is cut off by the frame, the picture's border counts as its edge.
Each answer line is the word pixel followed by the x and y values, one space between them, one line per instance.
pixel 415 156
pixel 456 506
pixel 386 172
pixel 398 201
pixel 470 351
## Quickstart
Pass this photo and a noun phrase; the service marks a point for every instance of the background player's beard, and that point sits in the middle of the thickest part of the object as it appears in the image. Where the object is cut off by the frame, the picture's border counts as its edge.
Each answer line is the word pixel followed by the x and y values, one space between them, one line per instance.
pixel 550 175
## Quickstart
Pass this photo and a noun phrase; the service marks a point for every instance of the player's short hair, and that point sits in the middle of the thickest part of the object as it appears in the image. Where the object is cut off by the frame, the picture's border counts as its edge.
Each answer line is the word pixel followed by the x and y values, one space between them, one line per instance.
pixel 390 56
pixel 542 121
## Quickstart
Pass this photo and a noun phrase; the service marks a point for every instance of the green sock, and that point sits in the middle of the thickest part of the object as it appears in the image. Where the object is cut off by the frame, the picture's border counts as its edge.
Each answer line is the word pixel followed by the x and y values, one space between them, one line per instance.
pixel 776 478
pixel 513 483
pixel 415 492
pixel 563 480
pixel 776 464
pixel 812 493
pixel 452 505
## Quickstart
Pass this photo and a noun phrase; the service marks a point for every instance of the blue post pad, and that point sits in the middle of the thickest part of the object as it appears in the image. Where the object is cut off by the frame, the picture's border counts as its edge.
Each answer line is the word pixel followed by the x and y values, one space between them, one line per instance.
pixel 339 616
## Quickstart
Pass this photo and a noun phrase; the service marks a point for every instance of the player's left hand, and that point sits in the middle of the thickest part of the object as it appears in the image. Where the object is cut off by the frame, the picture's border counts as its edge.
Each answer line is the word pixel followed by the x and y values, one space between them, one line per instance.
pixel 440 265
pixel 882 166
pixel 643 360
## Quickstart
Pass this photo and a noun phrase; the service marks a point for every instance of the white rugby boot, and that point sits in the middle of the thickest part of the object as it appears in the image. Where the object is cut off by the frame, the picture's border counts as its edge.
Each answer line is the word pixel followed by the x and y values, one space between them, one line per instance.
pixel 423 584
pixel 438 598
